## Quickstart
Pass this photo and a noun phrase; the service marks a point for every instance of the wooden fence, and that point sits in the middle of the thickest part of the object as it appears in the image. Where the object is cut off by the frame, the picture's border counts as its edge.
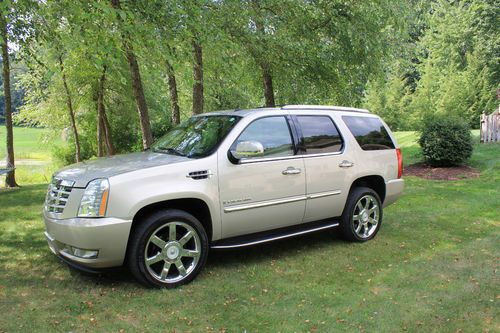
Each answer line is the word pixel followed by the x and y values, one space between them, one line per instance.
pixel 490 127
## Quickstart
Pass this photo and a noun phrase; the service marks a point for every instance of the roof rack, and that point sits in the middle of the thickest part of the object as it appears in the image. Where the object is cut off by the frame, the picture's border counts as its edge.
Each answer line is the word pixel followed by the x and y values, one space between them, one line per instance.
pixel 323 107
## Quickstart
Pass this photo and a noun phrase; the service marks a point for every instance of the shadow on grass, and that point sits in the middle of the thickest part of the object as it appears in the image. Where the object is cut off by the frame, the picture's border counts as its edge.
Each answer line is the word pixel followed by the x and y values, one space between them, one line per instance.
pixel 25 255
pixel 51 270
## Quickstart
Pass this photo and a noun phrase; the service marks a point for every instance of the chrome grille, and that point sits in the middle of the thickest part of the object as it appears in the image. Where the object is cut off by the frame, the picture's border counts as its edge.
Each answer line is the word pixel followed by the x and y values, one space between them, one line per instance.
pixel 58 195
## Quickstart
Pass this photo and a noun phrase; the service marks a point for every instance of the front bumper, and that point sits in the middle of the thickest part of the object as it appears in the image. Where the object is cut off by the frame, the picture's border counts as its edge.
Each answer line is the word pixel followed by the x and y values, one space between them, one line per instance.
pixel 108 236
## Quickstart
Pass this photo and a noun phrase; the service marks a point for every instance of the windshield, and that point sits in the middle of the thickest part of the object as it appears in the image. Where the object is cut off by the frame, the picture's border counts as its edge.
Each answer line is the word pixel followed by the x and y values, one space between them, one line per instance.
pixel 196 137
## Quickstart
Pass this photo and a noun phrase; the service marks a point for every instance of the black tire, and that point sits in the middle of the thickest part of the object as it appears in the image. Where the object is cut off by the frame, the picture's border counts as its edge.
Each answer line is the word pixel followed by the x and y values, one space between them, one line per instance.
pixel 141 245
pixel 348 224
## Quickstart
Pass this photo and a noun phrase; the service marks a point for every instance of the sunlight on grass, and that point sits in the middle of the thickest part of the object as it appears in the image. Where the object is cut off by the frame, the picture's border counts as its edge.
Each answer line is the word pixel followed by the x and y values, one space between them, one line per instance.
pixel 32 149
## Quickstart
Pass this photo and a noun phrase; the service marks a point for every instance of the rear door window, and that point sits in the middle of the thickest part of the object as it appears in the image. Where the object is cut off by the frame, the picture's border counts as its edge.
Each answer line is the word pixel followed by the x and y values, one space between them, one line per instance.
pixel 370 133
pixel 319 135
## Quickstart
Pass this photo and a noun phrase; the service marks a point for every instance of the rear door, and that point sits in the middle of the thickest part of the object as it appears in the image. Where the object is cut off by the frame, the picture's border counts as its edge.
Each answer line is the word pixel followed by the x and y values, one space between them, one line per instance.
pixel 326 166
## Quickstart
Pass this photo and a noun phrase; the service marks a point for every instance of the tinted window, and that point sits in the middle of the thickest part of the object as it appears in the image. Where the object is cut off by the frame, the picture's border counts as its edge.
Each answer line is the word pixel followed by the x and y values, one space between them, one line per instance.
pixel 369 132
pixel 196 137
pixel 273 133
pixel 319 135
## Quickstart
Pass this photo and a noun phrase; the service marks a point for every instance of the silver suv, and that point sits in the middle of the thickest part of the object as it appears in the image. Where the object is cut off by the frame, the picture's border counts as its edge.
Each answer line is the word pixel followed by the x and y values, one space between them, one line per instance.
pixel 224 180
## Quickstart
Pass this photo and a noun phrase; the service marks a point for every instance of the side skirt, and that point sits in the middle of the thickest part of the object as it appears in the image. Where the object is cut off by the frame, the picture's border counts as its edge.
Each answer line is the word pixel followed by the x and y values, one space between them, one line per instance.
pixel 272 235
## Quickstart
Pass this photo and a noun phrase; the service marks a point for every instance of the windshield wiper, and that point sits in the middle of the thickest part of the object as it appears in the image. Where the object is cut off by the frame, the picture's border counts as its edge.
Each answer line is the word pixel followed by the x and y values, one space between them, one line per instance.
pixel 171 151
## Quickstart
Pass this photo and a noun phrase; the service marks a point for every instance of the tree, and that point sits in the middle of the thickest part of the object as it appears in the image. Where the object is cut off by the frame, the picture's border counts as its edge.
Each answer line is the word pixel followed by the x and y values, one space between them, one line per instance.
pixel 10 180
pixel 103 128
pixel 314 52
pixel 142 107
pixel 70 110
pixel 197 76
pixel 449 64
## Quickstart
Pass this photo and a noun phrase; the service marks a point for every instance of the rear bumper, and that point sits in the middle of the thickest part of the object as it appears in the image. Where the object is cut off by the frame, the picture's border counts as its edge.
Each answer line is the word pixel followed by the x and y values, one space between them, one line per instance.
pixel 393 190
pixel 107 236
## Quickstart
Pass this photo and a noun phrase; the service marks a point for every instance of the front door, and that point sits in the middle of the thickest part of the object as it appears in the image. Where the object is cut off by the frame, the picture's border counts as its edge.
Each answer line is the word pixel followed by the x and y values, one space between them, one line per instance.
pixel 267 191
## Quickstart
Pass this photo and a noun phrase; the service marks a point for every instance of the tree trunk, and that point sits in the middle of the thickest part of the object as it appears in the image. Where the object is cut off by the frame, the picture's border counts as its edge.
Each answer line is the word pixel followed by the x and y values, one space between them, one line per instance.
pixel 267 77
pixel 142 108
pixel 174 99
pixel 10 180
pixel 99 129
pixel 198 77
pixel 267 82
pixel 102 117
pixel 70 111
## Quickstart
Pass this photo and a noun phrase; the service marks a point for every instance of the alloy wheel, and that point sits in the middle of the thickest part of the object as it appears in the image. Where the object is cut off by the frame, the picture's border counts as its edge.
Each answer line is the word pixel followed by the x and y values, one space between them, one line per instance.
pixel 172 252
pixel 366 216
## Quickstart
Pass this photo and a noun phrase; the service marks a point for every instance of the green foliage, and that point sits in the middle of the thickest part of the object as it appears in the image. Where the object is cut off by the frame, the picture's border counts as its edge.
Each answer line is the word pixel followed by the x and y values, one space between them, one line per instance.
pixel 454 69
pixel 402 59
pixel 390 100
pixel 445 141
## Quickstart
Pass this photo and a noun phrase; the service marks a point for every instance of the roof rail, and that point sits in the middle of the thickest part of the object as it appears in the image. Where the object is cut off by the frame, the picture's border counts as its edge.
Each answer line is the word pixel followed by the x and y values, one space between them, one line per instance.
pixel 323 107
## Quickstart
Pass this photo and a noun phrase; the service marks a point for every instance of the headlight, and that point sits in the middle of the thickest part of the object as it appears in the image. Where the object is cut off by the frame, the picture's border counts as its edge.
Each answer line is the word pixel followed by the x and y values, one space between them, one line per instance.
pixel 95 199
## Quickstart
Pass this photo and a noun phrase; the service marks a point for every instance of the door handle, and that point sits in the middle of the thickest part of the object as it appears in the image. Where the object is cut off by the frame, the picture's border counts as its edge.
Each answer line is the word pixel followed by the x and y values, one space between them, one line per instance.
pixel 346 164
pixel 291 171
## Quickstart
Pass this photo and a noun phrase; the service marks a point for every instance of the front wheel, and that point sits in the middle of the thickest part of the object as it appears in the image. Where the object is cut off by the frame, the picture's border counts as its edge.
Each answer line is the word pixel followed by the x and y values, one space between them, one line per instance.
pixel 362 215
pixel 169 248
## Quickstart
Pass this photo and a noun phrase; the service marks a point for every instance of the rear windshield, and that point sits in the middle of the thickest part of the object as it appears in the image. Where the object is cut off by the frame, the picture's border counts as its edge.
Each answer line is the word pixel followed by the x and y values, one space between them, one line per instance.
pixel 369 132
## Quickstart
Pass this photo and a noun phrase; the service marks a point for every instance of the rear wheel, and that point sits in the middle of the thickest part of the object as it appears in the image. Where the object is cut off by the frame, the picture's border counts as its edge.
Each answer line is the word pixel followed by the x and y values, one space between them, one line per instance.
pixel 169 248
pixel 362 215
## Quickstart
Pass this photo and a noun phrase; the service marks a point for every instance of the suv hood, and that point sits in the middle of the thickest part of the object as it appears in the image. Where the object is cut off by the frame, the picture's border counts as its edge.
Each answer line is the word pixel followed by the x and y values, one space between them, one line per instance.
pixel 106 167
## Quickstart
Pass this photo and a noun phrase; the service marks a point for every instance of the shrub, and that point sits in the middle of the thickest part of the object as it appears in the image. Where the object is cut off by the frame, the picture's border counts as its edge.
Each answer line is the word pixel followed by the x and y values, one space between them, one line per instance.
pixel 445 141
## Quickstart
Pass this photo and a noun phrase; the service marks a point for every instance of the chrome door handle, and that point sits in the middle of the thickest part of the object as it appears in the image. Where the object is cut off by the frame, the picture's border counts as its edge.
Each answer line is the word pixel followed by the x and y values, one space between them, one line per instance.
pixel 346 164
pixel 291 171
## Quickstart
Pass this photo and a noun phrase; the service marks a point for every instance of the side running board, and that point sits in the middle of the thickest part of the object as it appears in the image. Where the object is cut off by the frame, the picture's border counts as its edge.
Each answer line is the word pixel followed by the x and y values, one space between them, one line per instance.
pixel 269 236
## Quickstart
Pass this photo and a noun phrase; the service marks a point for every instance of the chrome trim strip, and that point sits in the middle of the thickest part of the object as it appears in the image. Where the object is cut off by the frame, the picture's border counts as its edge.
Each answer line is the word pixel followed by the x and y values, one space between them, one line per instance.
pixel 270 159
pixel 260 204
pixel 328 226
pixel 264 204
pixel 323 194
pixel 325 154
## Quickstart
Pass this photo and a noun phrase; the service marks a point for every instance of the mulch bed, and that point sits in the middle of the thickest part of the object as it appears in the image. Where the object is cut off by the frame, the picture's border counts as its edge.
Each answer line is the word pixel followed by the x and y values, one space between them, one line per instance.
pixel 451 173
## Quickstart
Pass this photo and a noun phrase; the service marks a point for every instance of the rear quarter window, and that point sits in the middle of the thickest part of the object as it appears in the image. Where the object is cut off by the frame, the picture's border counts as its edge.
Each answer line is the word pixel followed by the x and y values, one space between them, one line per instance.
pixel 370 133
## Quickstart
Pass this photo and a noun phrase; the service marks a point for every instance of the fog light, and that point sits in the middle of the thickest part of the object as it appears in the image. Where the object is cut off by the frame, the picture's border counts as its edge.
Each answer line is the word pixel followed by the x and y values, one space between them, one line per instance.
pixel 82 253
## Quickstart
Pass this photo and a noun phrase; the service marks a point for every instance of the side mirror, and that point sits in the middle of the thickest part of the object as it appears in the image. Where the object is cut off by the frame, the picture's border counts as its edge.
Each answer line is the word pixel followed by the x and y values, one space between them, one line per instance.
pixel 247 149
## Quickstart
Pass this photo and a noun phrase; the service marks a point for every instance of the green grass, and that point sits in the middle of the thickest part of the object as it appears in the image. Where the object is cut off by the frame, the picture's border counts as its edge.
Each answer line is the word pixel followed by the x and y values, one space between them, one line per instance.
pixel 29 143
pixel 432 268
pixel 32 151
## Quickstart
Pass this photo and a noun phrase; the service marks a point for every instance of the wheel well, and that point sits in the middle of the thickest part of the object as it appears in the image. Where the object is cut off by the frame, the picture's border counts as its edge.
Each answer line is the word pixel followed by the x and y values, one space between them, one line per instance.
pixel 196 207
pixel 376 183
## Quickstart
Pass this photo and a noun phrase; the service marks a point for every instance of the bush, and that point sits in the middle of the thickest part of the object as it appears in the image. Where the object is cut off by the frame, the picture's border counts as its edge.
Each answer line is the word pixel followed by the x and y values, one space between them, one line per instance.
pixel 445 141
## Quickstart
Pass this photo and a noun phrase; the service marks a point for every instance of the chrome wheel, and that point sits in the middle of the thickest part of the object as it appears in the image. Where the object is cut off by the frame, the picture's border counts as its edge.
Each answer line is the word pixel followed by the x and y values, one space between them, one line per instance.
pixel 366 216
pixel 172 252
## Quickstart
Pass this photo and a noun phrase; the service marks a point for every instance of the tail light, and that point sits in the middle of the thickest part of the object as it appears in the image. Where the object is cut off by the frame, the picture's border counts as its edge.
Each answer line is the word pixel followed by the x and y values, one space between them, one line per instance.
pixel 400 162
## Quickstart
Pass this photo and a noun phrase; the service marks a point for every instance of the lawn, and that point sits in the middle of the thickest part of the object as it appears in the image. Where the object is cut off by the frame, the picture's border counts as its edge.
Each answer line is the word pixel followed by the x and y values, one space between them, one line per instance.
pixel 432 267
pixel 32 150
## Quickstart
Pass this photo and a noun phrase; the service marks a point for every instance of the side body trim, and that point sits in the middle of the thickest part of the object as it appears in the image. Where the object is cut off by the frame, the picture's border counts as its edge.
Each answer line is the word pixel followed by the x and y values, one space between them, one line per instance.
pixel 274 202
